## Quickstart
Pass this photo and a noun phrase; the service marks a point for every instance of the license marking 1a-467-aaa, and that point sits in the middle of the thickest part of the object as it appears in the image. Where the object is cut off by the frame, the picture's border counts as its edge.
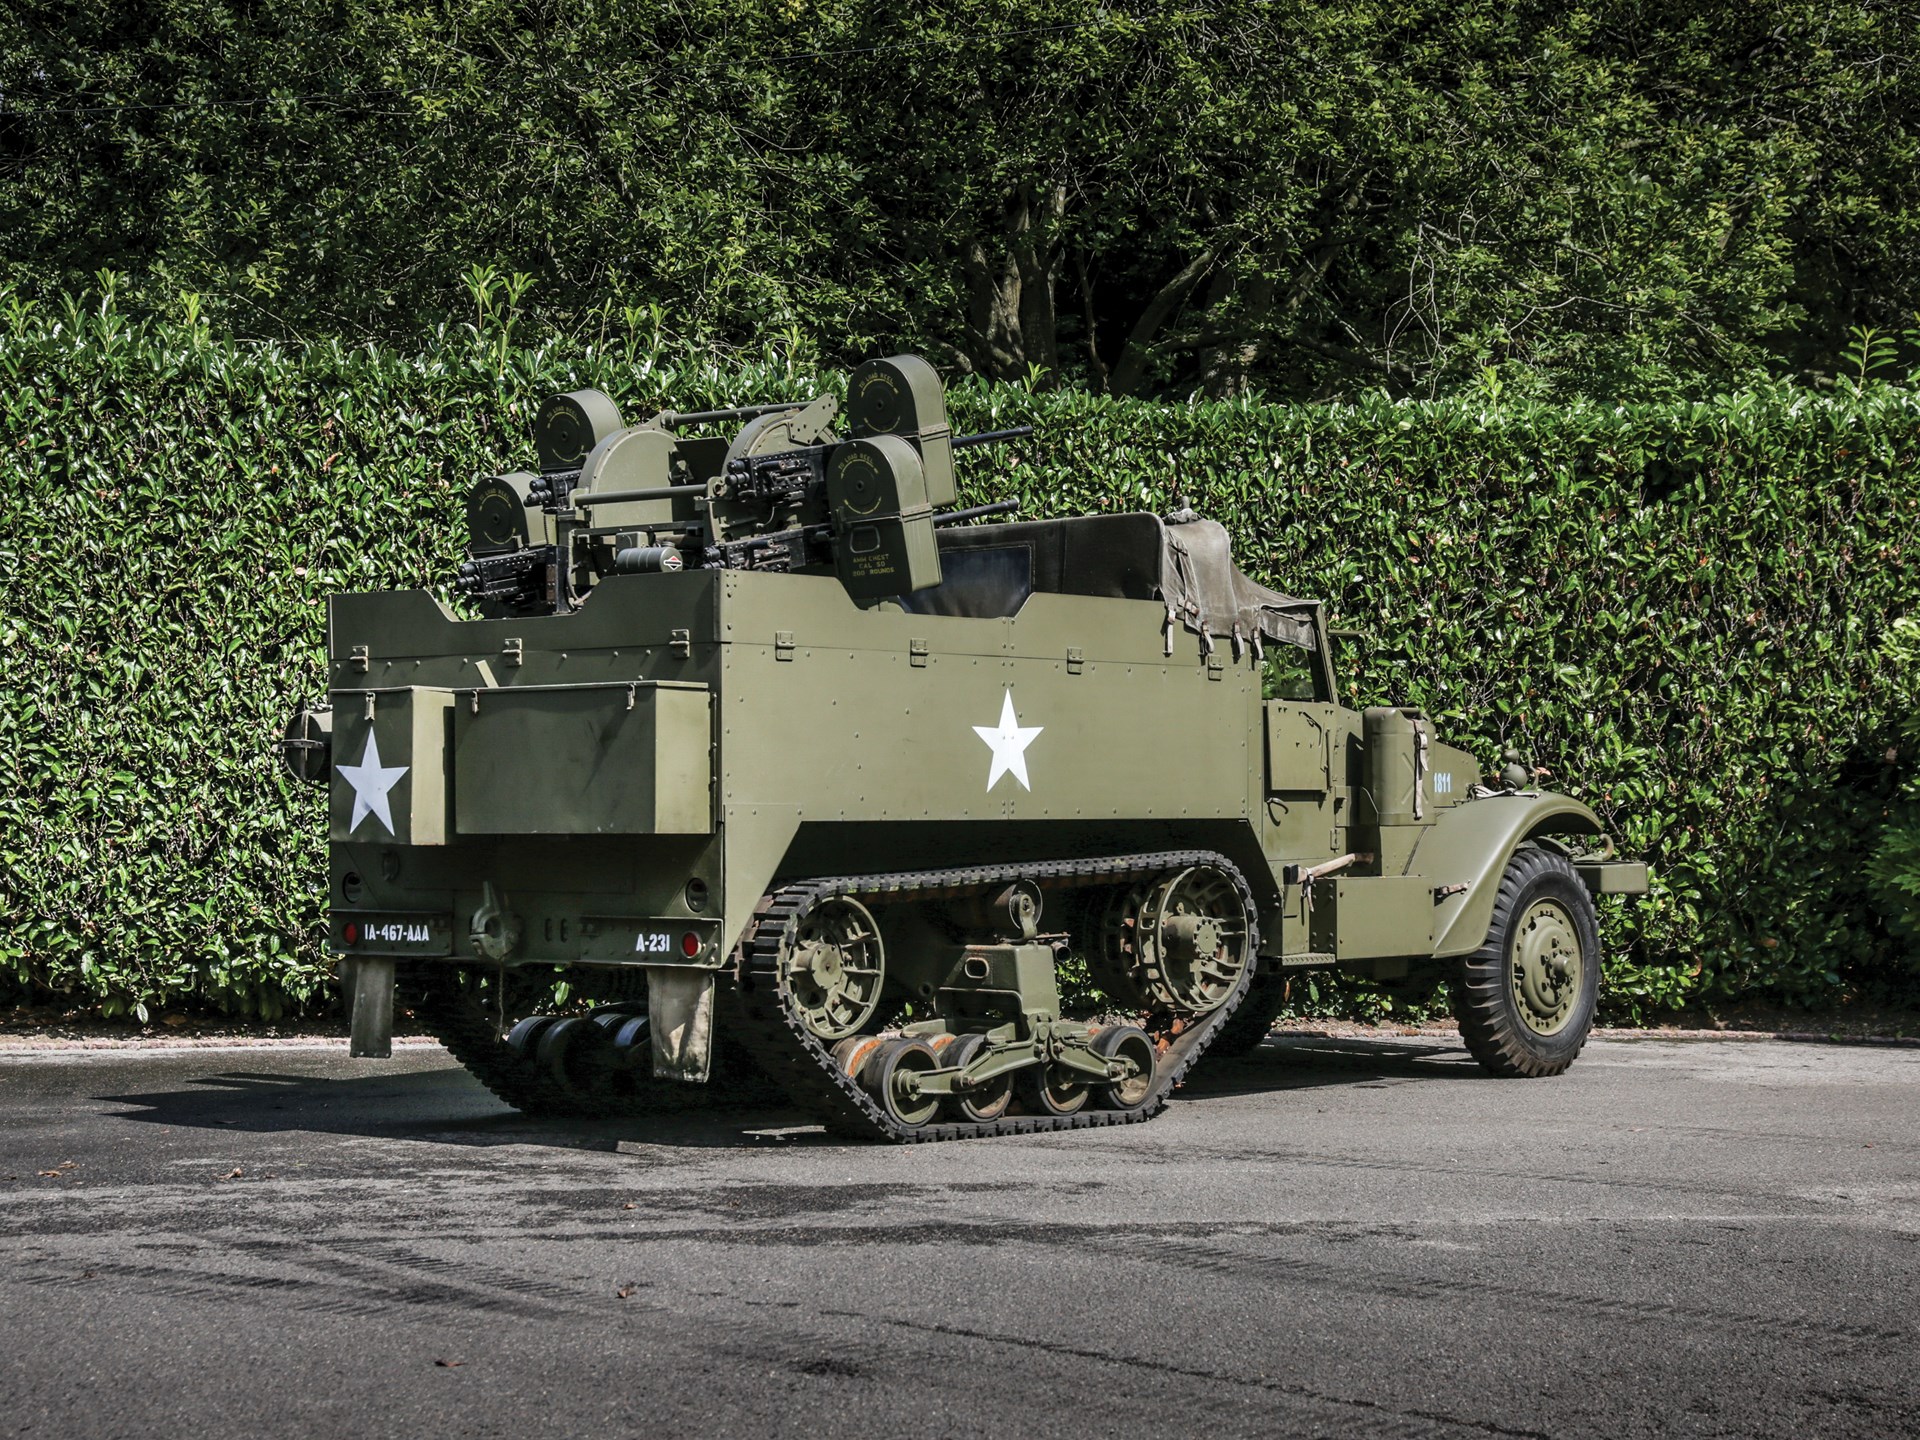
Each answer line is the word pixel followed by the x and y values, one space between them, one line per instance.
pixel 396 932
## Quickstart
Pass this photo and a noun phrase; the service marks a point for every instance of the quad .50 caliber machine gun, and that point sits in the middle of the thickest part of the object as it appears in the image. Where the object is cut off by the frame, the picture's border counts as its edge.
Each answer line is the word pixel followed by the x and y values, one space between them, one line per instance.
pixel 786 494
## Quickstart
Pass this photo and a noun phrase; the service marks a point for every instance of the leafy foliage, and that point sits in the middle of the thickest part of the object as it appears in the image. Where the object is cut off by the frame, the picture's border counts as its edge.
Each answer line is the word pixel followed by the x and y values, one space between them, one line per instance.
pixel 1303 197
pixel 1679 609
pixel 1895 868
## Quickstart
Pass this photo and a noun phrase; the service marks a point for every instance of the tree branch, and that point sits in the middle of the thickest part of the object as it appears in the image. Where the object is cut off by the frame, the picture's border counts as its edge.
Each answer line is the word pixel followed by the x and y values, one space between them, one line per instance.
pixel 1131 368
pixel 1086 302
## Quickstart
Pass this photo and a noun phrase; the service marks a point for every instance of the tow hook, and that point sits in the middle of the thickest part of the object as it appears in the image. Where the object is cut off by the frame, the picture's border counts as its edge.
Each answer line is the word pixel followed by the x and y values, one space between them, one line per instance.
pixel 495 930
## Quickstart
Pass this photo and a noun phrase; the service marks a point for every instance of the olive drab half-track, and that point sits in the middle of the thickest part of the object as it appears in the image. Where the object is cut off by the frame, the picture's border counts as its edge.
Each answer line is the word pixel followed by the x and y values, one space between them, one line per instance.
pixel 760 769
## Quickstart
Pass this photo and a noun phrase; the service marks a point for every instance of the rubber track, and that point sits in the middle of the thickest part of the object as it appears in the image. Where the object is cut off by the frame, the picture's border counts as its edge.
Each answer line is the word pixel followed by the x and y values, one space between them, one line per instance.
pixel 799 1060
pixel 1253 1021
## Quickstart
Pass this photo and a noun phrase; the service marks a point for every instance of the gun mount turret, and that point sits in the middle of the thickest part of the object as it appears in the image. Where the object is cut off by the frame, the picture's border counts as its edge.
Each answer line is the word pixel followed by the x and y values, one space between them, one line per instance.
pixel 786 493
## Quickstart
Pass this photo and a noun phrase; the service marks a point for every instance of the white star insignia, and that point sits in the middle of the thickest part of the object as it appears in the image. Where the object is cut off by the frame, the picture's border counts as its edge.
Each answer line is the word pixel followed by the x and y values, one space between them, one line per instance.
pixel 1008 740
pixel 371 781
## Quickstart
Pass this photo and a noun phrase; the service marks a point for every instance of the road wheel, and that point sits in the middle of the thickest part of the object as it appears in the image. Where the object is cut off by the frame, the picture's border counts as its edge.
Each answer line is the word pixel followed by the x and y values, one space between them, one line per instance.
pixel 892 1077
pixel 1525 999
pixel 1048 1089
pixel 1133 1049
pixel 984 1102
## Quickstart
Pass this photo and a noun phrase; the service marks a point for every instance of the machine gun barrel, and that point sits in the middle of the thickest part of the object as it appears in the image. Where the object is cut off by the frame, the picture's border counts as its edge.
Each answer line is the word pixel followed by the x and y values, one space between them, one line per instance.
pixel 991 437
pixel 616 497
pixel 977 512
pixel 674 418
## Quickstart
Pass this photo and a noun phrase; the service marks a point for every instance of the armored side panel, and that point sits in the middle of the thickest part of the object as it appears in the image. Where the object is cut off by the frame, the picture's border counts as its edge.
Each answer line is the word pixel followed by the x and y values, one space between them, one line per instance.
pixel 602 758
pixel 404 789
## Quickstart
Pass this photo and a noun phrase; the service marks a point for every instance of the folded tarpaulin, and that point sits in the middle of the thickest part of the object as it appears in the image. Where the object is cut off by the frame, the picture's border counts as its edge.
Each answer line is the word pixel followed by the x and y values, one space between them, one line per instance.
pixel 1206 592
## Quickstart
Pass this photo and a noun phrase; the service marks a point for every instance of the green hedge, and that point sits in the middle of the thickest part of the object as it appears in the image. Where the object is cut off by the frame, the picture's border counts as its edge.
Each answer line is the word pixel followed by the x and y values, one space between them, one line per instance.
pixel 1895 868
pixel 1675 609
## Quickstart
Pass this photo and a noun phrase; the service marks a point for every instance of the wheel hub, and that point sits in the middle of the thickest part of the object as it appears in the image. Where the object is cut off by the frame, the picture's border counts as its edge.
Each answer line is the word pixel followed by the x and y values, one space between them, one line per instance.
pixel 1181 941
pixel 1546 967
pixel 1191 936
pixel 823 964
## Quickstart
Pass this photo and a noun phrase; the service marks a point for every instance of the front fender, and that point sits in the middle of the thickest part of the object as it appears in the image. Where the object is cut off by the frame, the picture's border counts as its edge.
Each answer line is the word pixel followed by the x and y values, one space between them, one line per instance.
pixel 1470 845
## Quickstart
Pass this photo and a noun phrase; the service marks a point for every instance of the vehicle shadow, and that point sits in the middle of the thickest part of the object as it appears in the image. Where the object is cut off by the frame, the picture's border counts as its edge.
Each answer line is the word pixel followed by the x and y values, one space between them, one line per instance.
pixel 443 1105
pixel 1299 1060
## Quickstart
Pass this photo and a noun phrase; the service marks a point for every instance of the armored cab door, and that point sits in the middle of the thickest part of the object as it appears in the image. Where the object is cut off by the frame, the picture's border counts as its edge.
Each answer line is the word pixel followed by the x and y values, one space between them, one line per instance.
pixel 1301 740
pixel 1299 824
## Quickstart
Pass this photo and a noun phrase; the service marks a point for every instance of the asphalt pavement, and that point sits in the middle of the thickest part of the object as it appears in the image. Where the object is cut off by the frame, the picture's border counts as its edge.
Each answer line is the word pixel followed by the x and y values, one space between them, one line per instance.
pixel 1333 1237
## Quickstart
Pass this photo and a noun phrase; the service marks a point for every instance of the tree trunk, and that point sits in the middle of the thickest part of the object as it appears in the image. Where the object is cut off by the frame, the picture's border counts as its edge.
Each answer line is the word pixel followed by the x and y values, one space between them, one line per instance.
pixel 1228 362
pixel 1131 368
pixel 1226 368
pixel 1103 381
pixel 1011 320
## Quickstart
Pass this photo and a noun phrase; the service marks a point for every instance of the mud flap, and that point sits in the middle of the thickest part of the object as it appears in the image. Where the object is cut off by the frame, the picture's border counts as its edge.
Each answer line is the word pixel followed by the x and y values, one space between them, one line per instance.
pixel 370 999
pixel 680 1005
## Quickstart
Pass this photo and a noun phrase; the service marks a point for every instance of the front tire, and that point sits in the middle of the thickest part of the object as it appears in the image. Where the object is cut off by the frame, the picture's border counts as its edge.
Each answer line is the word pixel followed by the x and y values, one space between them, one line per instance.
pixel 1525 999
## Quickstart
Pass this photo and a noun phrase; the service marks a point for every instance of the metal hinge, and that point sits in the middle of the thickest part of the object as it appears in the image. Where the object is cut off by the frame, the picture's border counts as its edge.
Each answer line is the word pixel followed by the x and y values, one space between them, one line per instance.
pixel 513 652
pixel 357 658
pixel 1421 767
pixel 681 643
pixel 783 645
pixel 917 652
pixel 1076 660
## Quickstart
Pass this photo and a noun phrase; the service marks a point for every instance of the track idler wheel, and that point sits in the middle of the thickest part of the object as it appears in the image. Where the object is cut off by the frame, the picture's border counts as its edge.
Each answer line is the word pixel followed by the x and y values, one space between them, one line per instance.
pixel 892 1077
pixel 833 967
pixel 1133 1049
pixel 983 1102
